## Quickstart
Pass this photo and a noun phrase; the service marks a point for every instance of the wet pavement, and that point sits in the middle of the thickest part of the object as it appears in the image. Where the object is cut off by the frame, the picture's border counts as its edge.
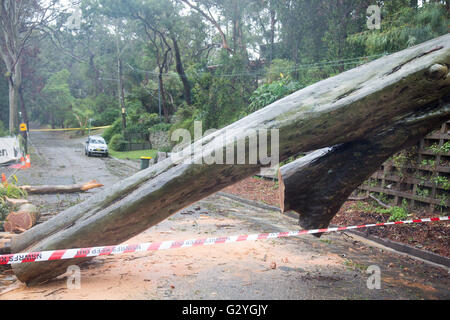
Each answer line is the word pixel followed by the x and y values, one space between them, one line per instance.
pixel 336 266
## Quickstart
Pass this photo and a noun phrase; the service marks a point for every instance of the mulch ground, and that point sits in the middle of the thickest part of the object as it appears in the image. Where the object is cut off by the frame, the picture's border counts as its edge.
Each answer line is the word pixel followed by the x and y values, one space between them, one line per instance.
pixel 432 236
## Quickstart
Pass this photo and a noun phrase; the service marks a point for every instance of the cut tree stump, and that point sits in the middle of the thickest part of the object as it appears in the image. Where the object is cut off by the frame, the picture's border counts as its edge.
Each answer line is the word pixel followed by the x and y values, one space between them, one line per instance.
pixel 318 184
pixel 22 220
pixel 81 187
pixel 348 107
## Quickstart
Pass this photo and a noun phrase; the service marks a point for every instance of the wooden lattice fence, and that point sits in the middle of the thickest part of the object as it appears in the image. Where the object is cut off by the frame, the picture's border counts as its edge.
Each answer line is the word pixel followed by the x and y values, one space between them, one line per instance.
pixel 418 177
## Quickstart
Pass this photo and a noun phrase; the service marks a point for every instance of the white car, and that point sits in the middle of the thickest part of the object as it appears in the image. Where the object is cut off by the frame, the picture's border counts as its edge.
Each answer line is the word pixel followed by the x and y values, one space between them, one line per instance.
pixel 96 145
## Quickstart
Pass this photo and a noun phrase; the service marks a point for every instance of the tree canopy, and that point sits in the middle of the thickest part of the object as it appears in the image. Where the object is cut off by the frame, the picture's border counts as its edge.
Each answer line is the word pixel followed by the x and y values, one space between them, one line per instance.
pixel 178 61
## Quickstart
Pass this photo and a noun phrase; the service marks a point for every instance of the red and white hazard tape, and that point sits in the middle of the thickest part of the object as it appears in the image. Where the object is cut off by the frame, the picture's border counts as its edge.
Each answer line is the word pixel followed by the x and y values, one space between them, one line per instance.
pixel 152 246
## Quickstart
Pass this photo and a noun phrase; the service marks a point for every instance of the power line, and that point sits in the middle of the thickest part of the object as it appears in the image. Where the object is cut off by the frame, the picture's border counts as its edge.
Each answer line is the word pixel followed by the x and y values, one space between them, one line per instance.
pixel 329 63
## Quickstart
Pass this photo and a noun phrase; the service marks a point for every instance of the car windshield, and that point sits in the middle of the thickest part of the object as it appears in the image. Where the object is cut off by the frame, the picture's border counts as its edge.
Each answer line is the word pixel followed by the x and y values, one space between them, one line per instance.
pixel 97 141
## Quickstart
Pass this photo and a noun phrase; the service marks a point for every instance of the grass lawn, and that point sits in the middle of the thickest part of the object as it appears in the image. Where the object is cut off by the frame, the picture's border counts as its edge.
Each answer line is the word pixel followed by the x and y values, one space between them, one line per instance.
pixel 133 154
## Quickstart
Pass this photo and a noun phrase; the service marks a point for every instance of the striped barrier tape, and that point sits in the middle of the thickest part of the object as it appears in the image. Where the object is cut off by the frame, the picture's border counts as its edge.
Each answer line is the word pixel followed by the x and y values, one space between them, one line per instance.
pixel 66 129
pixel 153 246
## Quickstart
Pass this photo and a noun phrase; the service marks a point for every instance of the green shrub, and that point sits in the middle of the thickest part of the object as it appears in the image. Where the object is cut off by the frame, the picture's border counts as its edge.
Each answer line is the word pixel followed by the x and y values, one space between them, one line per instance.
pixel 115 128
pixel 395 213
pixel 398 213
pixel 268 93
pixel 279 68
pixel 139 124
pixel 118 143
pixel 160 127
pixel 4 211
pixel 106 117
pixel 11 191
pixel 186 115
pixel 3 131
pixel 165 149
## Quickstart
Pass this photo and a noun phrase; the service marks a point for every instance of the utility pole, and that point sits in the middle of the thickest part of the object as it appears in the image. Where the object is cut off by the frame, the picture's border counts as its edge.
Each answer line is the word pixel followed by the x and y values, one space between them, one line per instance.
pixel 120 90
pixel 90 125
pixel 120 93
pixel 24 132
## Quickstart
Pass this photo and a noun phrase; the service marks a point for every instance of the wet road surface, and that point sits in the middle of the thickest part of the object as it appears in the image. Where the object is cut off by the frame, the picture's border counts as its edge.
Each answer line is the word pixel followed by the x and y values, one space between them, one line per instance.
pixel 332 267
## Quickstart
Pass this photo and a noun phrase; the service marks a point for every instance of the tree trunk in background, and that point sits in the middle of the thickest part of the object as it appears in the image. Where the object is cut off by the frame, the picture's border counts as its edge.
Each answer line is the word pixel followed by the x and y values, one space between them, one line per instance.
pixel 13 108
pixel 349 107
pixel 272 32
pixel 180 71
pixel 163 98
pixel 14 83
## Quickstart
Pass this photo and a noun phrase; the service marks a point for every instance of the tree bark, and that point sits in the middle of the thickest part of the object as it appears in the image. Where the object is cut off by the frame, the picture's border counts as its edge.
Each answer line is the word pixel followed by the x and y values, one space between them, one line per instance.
pixel 318 184
pixel 272 31
pixel 180 71
pixel 20 221
pixel 345 108
pixel 14 83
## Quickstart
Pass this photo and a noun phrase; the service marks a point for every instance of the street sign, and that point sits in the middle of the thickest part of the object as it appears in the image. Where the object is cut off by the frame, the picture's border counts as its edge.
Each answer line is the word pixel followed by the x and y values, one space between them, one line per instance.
pixel 23 127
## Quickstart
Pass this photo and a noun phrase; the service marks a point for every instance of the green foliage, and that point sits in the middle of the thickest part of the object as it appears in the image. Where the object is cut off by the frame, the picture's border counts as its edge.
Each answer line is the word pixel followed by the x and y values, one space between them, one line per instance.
pixel 422 192
pixel 140 122
pixel 186 116
pixel 166 149
pixel 426 162
pixel 160 127
pixel 222 95
pixel 58 98
pixel 280 69
pixel 395 213
pixel 3 131
pixel 4 210
pixel 136 154
pixel 404 26
pixel 443 149
pixel 115 128
pixel 400 160
pixel 82 112
pixel 300 42
pixel 11 191
pixel 118 143
pixel 268 93
pixel 441 181
pixel 105 109
pixel 442 201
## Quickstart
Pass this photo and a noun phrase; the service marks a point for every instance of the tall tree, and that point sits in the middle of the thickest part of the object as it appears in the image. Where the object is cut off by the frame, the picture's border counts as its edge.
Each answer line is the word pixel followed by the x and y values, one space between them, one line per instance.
pixel 18 21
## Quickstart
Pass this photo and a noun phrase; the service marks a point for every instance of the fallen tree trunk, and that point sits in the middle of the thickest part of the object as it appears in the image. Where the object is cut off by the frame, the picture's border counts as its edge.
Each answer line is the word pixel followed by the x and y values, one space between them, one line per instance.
pixel 338 110
pixel 80 187
pixel 5 242
pixel 15 202
pixel 318 184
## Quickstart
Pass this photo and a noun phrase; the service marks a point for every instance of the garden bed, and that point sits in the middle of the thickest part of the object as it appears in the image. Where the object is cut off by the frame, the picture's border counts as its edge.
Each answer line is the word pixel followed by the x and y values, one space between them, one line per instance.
pixel 433 237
